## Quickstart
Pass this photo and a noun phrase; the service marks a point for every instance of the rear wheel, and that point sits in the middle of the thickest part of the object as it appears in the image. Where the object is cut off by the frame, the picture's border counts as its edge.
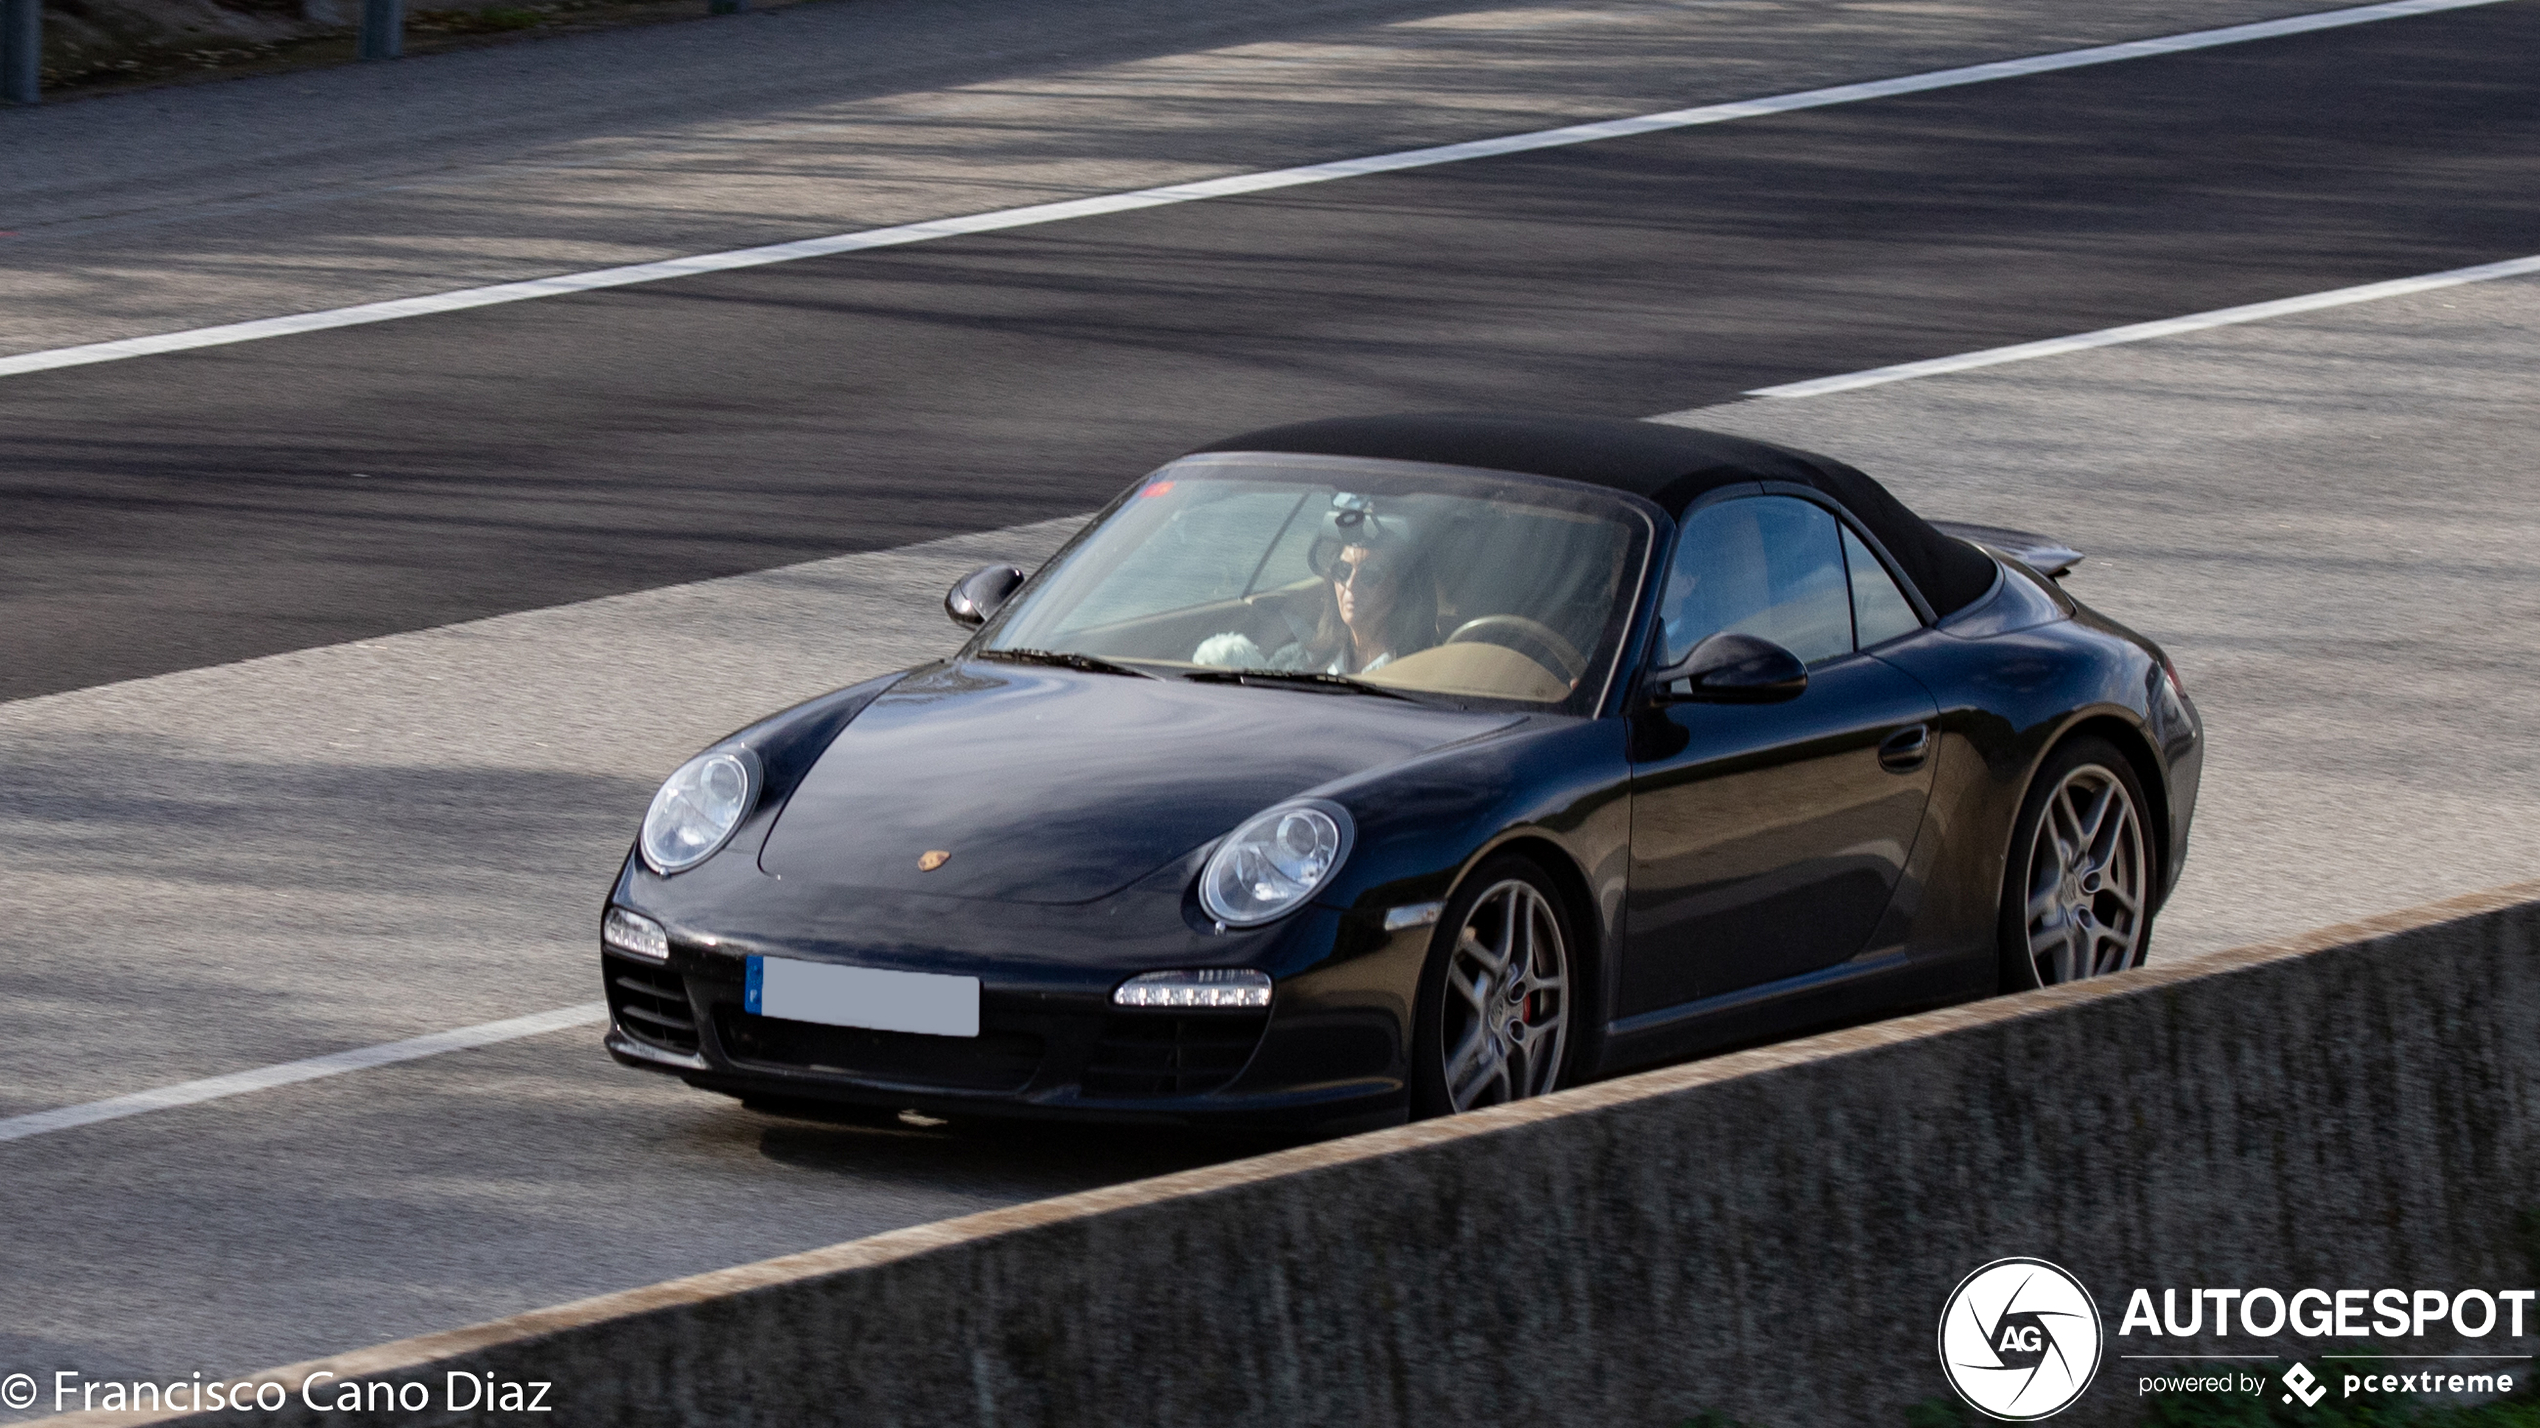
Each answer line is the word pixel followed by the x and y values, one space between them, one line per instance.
pixel 1495 1016
pixel 2077 894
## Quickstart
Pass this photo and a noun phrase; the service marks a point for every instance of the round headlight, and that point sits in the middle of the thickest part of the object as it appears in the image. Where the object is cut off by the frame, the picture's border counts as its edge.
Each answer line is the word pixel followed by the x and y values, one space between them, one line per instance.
pixel 697 808
pixel 1274 862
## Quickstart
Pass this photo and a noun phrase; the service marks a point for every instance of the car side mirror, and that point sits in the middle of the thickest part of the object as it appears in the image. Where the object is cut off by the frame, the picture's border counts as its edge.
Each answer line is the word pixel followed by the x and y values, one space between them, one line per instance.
pixel 1731 669
pixel 976 596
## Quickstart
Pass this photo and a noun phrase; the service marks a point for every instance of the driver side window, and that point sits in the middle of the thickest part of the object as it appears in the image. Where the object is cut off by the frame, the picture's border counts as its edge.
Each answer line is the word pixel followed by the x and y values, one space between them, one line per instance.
pixel 1770 566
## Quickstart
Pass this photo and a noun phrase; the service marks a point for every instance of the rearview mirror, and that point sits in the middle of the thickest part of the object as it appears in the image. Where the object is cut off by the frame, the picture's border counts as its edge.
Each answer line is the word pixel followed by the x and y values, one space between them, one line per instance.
pixel 1732 669
pixel 976 596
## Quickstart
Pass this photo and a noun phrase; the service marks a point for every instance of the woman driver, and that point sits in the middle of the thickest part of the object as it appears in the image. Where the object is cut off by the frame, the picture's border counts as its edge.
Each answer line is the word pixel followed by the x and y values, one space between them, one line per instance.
pixel 1380 605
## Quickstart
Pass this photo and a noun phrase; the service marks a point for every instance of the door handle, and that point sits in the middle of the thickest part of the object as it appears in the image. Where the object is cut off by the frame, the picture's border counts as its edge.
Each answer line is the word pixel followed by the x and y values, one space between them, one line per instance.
pixel 1905 750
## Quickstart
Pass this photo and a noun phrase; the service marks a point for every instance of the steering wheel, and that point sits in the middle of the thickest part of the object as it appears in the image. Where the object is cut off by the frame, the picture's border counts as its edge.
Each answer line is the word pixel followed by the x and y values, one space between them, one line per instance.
pixel 1531 638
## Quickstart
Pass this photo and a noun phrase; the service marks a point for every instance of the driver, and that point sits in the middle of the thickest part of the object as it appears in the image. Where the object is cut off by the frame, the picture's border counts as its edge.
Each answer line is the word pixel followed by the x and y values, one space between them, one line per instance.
pixel 1377 603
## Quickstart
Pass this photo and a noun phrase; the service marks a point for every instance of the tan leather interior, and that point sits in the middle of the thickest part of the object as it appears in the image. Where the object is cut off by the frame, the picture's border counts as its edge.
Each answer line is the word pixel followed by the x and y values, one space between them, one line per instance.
pixel 1473 668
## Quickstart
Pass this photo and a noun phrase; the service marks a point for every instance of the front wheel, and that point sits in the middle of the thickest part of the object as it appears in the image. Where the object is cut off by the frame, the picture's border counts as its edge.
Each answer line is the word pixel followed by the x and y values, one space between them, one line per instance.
pixel 1495 1010
pixel 2077 894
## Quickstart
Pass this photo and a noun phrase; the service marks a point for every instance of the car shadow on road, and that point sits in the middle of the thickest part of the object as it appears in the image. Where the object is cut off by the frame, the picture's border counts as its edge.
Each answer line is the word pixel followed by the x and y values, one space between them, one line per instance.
pixel 996 1156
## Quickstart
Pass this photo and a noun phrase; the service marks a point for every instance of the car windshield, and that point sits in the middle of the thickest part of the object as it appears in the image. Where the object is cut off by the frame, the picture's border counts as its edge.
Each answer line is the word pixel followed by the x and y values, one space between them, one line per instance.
pixel 1346 573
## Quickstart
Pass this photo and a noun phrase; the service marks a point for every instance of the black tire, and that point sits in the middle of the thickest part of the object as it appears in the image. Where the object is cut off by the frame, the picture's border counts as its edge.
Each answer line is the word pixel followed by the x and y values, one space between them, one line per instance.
pixel 2062 919
pixel 1504 888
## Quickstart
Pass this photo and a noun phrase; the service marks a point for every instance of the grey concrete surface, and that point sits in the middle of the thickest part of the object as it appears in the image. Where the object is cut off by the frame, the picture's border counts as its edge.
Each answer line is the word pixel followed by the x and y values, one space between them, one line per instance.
pixel 438 1193
pixel 269 860
pixel 184 207
pixel 258 862
pixel 1772 1234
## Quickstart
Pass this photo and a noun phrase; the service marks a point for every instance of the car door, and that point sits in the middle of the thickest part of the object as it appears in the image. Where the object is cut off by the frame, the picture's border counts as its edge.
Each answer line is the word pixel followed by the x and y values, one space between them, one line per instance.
pixel 1767 839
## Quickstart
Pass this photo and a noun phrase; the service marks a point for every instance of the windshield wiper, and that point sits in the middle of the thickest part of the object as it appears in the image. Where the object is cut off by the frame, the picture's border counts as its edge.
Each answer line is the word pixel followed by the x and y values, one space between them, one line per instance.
pixel 1090 664
pixel 1337 683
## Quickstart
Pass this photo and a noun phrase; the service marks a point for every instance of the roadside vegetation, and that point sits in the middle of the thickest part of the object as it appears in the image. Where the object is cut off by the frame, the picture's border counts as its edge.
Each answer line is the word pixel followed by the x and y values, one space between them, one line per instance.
pixel 97 46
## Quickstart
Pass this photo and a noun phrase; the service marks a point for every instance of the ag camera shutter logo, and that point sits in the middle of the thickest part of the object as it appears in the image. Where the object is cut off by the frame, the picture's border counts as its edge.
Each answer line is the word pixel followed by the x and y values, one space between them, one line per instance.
pixel 2020 1340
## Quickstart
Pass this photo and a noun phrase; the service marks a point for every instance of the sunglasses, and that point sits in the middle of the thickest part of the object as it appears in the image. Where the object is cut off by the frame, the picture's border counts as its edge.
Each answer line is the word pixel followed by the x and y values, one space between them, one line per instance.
pixel 1355 573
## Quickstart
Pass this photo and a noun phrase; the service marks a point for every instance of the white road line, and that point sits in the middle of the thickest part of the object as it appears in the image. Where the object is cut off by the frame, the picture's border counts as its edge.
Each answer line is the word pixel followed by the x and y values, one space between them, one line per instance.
pixel 2145 331
pixel 213 1088
pixel 1212 188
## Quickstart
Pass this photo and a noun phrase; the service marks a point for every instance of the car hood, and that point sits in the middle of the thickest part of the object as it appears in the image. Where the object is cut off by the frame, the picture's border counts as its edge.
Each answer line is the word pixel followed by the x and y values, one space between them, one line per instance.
pixel 1053 786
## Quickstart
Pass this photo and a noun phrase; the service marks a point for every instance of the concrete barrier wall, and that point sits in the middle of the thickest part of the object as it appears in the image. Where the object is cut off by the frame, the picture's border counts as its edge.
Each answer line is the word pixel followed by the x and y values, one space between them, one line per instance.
pixel 1771 1233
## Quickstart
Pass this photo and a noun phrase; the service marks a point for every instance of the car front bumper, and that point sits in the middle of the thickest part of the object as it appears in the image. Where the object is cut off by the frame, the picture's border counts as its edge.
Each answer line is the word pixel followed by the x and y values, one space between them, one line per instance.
pixel 1329 1052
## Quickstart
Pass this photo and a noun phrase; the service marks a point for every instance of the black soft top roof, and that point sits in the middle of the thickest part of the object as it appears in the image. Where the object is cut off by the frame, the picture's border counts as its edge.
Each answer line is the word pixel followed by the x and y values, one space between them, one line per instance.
pixel 1670 465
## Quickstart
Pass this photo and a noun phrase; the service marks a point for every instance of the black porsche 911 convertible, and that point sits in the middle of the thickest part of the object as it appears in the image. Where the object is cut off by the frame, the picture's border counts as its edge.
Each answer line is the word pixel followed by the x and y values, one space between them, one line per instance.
pixel 1399 766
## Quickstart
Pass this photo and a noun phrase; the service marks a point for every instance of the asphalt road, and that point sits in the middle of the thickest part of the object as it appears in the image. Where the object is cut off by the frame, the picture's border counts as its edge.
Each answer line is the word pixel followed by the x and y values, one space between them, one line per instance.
pixel 214 202
pixel 2325 518
pixel 176 511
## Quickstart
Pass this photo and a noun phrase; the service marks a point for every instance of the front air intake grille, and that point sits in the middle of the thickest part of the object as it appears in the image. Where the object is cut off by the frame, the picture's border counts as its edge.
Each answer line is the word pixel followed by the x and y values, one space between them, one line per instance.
pixel 651 1004
pixel 1170 1055
pixel 994 1060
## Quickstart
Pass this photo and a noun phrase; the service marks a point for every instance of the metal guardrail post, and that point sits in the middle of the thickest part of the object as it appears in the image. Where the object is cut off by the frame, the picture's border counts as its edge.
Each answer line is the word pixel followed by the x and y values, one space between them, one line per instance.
pixel 383 34
pixel 21 50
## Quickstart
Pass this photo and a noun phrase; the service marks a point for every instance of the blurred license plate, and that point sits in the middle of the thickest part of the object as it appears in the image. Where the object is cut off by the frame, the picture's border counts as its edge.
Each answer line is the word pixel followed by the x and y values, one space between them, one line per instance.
pixel 866 997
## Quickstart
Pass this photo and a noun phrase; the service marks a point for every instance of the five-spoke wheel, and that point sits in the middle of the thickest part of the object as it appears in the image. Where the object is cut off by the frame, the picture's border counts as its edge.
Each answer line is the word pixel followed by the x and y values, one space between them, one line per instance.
pixel 1497 1024
pixel 2077 901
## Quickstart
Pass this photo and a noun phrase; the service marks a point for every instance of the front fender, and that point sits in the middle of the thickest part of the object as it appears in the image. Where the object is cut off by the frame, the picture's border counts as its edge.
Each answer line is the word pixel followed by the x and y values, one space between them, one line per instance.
pixel 1424 823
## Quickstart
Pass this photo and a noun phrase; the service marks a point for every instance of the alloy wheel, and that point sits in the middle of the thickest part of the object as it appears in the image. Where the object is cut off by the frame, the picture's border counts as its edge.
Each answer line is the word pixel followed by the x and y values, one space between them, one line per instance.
pixel 2086 879
pixel 1507 1010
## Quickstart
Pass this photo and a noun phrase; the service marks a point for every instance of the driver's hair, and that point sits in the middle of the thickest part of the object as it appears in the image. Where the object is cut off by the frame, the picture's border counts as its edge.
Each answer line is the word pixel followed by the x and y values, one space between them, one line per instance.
pixel 1412 623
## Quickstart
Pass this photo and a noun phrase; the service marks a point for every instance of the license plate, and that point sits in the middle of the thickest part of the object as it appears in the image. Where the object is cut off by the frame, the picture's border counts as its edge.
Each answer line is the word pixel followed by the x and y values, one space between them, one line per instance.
pixel 865 997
